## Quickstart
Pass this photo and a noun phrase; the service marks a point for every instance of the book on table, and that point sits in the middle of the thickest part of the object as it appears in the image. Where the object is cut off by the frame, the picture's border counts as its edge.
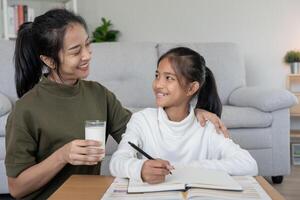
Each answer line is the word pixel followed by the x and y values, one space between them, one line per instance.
pixel 185 177
pixel 198 184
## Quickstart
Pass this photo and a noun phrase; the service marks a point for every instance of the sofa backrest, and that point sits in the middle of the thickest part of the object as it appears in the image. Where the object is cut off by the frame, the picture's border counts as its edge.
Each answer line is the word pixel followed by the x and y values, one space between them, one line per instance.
pixel 225 61
pixel 127 69
pixel 7 84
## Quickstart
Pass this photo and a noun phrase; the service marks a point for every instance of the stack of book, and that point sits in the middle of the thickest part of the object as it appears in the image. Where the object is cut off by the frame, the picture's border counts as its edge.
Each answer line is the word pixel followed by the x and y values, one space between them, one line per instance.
pixel 17 15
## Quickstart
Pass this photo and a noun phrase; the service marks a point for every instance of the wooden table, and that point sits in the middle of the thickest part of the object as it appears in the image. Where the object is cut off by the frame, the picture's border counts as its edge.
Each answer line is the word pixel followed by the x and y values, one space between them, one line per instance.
pixel 90 187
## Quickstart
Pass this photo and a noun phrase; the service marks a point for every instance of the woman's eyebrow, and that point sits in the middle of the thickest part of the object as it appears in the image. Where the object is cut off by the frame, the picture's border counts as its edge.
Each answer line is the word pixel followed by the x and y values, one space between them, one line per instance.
pixel 74 47
pixel 78 45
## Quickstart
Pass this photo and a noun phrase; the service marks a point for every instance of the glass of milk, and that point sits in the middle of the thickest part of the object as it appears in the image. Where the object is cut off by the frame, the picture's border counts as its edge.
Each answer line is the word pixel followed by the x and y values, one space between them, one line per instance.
pixel 95 130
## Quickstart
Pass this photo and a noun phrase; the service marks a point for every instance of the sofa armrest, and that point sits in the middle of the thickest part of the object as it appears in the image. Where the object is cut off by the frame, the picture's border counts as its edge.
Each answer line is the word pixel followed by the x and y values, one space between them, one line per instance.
pixel 264 99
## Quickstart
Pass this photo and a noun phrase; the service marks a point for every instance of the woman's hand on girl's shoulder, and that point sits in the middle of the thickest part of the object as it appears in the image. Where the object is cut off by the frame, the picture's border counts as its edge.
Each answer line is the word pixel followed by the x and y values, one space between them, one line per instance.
pixel 203 116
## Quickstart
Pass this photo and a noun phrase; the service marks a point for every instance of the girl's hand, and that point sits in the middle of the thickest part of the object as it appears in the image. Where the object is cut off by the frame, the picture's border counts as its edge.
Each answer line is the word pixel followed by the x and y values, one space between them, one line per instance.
pixel 203 116
pixel 154 171
pixel 82 152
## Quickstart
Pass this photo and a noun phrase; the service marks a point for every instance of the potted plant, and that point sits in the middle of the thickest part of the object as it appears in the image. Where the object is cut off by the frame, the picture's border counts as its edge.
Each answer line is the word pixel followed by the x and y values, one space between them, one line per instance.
pixel 103 33
pixel 293 58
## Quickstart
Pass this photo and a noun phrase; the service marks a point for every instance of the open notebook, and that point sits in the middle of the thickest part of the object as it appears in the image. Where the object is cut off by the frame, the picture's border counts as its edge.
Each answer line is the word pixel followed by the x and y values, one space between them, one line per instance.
pixel 251 191
pixel 184 177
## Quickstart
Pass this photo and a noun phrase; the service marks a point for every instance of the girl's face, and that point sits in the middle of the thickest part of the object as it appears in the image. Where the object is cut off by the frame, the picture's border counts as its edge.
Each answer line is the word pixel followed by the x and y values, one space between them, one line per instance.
pixel 167 89
pixel 75 55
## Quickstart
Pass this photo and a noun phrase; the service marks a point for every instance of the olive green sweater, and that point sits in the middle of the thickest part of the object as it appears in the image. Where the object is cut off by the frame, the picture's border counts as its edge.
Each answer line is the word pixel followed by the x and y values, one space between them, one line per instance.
pixel 51 115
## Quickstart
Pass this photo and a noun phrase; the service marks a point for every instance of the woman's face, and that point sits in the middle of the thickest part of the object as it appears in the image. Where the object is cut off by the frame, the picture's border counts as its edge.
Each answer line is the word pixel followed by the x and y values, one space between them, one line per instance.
pixel 75 55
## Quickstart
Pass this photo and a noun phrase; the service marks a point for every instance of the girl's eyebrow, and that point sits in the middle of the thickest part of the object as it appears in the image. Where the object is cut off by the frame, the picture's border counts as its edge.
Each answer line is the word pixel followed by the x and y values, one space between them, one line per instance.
pixel 166 73
pixel 169 73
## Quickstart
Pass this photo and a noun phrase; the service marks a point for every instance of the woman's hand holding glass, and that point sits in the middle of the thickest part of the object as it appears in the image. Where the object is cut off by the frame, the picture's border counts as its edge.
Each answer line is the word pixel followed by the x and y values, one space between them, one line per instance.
pixel 82 152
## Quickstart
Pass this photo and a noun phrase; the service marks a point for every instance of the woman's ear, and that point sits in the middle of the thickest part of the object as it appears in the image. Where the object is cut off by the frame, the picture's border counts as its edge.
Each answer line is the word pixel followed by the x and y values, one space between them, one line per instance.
pixel 193 88
pixel 48 61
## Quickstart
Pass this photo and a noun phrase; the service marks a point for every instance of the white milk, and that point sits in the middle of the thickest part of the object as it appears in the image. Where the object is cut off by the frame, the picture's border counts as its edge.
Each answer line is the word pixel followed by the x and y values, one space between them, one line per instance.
pixel 96 133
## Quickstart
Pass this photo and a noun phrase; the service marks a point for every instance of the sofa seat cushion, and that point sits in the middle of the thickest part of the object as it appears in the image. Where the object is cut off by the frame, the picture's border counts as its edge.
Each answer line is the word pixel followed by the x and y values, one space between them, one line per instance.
pixel 5 104
pixel 245 117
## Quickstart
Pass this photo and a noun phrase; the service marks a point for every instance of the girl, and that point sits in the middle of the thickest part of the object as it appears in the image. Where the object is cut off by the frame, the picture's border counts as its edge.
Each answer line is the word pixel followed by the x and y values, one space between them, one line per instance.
pixel 45 130
pixel 171 131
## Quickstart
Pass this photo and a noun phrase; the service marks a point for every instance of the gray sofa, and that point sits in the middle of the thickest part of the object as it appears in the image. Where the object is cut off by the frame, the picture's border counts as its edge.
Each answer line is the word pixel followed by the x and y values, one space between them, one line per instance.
pixel 257 118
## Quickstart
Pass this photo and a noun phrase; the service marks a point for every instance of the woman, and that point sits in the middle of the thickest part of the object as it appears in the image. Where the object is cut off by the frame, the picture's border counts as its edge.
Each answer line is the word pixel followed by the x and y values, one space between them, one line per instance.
pixel 45 130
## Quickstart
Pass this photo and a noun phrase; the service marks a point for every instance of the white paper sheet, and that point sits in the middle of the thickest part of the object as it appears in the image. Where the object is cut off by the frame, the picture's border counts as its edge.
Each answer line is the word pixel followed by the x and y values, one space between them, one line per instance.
pixel 118 191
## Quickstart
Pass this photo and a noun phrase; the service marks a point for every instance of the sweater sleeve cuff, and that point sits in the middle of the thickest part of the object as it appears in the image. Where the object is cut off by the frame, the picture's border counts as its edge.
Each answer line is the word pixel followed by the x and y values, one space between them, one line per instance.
pixel 136 170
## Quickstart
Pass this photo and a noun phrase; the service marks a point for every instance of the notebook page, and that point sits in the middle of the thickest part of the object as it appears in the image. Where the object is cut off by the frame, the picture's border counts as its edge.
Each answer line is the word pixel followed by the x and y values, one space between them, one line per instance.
pixel 252 191
pixel 204 178
pixel 118 191
pixel 137 186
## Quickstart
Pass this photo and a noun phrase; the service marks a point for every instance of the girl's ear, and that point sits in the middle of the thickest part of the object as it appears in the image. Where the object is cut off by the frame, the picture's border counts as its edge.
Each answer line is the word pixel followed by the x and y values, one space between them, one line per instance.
pixel 48 61
pixel 193 88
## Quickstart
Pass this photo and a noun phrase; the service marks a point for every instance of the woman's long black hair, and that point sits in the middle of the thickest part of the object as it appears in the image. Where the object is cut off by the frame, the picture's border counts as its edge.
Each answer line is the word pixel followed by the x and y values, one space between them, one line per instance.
pixel 190 65
pixel 44 36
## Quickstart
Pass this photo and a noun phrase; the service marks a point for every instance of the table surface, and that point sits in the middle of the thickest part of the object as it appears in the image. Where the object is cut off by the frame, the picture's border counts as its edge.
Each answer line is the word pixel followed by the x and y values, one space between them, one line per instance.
pixel 92 187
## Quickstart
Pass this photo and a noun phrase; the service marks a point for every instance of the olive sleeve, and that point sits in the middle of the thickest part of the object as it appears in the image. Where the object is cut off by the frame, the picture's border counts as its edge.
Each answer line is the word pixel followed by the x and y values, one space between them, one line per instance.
pixel 21 147
pixel 118 116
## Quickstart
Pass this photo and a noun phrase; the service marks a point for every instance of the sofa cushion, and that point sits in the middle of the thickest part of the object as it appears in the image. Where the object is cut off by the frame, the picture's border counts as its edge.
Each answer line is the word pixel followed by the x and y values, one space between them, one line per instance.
pixel 225 61
pixel 7 81
pixel 249 138
pixel 5 105
pixel 3 120
pixel 264 99
pixel 245 117
pixel 3 179
pixel 2 148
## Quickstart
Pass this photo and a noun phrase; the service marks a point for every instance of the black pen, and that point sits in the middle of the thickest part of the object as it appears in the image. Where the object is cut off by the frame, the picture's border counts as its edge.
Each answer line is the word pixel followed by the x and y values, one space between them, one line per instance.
pixel 142 152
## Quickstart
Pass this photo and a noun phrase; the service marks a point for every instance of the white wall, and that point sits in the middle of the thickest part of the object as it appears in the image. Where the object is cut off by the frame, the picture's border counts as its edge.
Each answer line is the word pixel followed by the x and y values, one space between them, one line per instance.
pixel 264 29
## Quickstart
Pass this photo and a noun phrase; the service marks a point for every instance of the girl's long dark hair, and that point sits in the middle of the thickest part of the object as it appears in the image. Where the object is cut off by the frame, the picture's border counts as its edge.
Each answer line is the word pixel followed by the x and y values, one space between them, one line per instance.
pixel 190 66
pixel 44 36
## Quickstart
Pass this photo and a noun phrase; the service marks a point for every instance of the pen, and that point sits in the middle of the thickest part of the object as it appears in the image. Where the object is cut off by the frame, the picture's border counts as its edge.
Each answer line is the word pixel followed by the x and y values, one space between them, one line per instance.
pixel 142 152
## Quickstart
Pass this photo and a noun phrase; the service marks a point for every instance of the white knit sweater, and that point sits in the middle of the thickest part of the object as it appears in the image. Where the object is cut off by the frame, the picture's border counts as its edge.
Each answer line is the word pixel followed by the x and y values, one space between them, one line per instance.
pixel 184 143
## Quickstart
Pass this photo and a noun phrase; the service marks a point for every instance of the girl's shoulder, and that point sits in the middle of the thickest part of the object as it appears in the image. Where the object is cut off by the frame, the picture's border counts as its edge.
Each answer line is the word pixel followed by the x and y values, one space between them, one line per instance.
pixel 210 129
pixel 147 114
pixel 211 132
pixel 145 119
pixel 147 111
